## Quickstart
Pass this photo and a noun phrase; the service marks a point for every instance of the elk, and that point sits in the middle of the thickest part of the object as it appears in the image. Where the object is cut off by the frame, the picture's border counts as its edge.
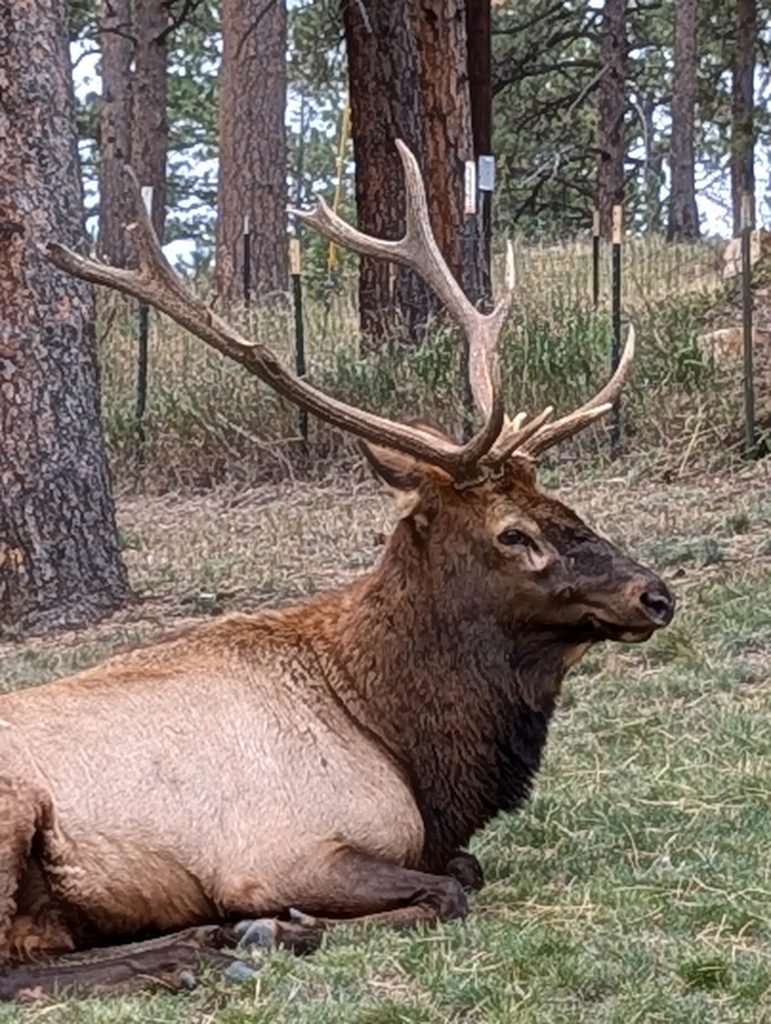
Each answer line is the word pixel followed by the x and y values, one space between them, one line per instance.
pixel 268 776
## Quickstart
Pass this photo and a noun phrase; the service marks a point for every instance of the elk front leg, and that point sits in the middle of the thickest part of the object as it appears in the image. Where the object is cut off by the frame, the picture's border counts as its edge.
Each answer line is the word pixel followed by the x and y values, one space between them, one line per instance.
pixel 347 888
pixel 356 888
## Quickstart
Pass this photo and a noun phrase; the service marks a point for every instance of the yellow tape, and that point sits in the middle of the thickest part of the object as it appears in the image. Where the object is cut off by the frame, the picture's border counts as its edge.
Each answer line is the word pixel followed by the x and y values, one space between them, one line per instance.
pixel 342 145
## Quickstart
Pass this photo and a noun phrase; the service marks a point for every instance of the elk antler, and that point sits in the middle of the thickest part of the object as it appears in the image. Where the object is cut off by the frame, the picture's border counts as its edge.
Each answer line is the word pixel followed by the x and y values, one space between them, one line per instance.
pixel 418 250
pixel 156 283
pixel 552 433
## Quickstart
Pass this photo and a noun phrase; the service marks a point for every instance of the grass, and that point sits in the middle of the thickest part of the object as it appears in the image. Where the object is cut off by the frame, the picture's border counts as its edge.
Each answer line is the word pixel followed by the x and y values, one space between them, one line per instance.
pixel 635 886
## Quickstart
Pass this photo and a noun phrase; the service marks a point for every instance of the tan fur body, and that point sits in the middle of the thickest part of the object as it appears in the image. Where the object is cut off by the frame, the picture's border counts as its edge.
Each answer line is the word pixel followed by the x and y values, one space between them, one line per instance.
pixel 223 805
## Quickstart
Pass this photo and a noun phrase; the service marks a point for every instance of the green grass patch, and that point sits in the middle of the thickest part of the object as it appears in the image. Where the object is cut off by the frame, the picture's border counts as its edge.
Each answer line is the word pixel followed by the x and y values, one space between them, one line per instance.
pixel 636 884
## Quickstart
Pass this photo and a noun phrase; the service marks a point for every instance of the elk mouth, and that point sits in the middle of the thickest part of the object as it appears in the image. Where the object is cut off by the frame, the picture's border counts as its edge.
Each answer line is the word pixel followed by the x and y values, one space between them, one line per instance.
pixel 594 629
pixel 601 629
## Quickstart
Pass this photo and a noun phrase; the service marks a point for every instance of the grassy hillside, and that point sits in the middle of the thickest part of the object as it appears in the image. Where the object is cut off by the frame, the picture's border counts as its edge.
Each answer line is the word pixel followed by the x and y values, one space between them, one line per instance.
pixel 635 885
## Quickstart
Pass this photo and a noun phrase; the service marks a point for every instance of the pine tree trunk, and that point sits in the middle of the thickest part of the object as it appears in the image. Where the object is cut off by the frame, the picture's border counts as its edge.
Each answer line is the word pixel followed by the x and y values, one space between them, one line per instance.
pixel 59 557
pixel 612 106
pixel 654 167
pixel 149 126
pixel 386 104
pixel 742 114
pixel 443 52
pixel 114 130
pixel 408 72
pixel 683 212
pixel 253 149
pixel 480 70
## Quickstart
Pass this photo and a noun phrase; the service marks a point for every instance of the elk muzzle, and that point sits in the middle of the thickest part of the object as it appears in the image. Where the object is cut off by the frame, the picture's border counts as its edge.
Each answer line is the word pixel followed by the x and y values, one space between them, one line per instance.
pixel 641 606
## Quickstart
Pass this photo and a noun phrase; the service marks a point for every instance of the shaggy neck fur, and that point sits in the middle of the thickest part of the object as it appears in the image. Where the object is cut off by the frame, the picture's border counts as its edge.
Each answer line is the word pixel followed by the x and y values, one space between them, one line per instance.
pixel 460 699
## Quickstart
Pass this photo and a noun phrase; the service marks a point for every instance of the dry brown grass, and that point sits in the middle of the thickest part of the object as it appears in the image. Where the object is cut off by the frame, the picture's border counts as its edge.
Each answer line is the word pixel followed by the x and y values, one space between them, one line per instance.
pixel 243 548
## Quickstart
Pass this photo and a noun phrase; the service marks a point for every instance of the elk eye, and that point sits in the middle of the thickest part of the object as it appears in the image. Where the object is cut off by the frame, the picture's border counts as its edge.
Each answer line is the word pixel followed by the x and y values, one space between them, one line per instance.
pixel 512 536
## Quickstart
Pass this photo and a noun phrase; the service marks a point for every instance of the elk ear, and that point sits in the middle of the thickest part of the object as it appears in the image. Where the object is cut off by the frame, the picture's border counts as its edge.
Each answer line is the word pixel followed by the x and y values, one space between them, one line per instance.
pixel 520 469
pixel 399 472
pixel 410 481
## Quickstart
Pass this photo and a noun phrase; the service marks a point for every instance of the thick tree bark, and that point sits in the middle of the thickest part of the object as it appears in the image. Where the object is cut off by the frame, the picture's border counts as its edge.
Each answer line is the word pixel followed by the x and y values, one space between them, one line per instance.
pixel 253 150
pixel 443 50
pixel 386 104
pixel 149 125
pixel 114 129
pixel 59 557
pixel 480 70
pixel 408 74
pixel 612 106
pixel 683 211
pixel 742 130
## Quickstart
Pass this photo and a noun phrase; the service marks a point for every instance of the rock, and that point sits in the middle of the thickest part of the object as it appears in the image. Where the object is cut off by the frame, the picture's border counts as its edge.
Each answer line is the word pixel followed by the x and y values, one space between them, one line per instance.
pixel 726 346
pixel 760 245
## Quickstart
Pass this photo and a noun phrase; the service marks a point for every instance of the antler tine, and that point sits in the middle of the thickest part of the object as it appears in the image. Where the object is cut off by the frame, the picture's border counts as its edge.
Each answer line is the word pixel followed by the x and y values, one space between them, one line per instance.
pixel 418 250
pixel 516 433
pixel 157 284
pixel 590 411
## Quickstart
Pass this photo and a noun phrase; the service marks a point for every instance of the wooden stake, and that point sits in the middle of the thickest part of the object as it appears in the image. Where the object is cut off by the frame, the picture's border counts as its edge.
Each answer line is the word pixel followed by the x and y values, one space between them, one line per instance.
pixel 247 280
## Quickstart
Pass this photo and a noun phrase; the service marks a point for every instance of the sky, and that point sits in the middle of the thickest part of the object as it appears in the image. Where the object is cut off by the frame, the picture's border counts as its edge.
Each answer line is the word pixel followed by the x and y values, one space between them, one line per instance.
pixel 713 197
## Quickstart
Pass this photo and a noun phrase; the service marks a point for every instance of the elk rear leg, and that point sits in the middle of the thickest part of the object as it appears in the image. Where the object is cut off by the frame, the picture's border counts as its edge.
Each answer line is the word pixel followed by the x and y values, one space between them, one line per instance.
pixel 167 962
pixel 21 806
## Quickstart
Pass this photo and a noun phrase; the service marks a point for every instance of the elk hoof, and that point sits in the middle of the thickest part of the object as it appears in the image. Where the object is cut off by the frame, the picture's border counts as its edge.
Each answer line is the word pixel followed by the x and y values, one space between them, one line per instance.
pixel 466 869
pixel 301 918
pixel 268 933
pixel 240 971
pixel 186 981
pixel 262 933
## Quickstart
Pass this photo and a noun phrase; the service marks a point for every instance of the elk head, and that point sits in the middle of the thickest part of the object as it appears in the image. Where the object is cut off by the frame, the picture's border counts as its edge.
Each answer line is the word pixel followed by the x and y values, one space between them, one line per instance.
pixel 502 549
pixel 530 557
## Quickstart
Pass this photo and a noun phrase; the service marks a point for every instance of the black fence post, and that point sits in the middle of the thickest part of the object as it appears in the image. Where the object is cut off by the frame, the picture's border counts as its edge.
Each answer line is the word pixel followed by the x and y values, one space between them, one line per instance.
pixel 486 183
pixel 596 258
pixel 747 339
pixel 617 220
pixel 472 285
pixel 142 356
pixel 141 403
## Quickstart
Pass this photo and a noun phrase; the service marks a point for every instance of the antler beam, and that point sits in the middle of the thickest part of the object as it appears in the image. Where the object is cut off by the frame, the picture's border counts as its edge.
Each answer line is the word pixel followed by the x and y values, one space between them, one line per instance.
pixel 418 251
pixel 156 283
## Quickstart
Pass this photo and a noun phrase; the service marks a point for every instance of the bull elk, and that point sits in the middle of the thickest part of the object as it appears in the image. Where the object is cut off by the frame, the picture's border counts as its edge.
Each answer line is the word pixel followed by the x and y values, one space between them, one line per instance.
pixel 268 776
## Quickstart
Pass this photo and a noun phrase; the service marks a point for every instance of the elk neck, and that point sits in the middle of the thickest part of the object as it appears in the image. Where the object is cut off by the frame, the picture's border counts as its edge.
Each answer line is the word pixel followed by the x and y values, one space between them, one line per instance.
pixel 460 697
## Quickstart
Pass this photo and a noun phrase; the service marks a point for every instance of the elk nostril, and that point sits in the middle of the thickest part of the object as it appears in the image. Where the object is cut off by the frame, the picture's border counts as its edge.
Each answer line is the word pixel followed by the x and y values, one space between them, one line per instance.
pixel 658 603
